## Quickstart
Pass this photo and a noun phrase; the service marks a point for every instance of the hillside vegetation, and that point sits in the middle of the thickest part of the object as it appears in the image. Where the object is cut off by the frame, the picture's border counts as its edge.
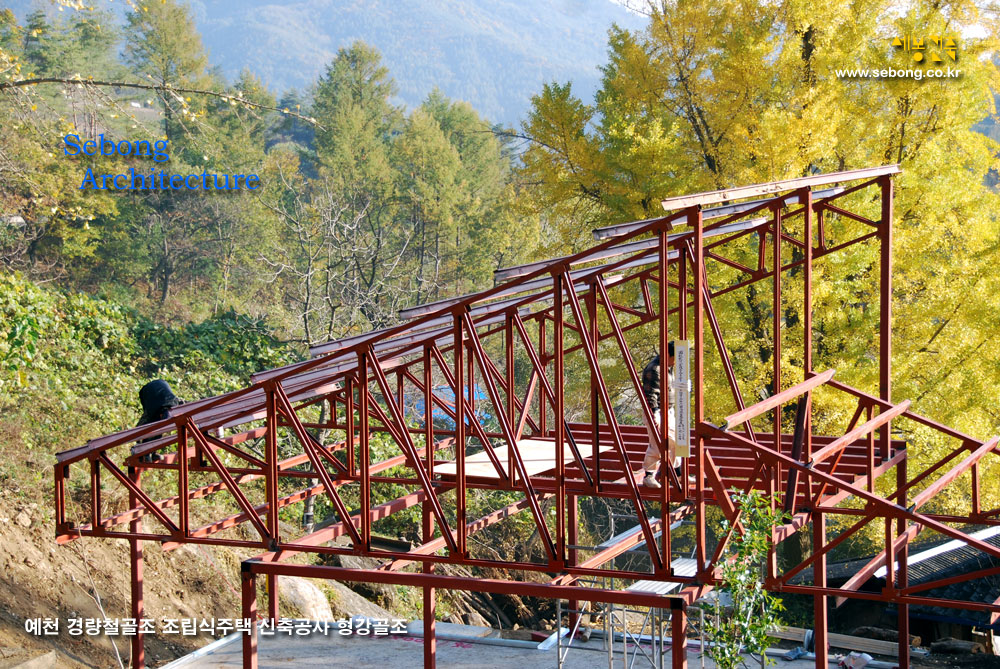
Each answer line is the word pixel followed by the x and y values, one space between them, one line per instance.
pixel 363 207
pixel 72 366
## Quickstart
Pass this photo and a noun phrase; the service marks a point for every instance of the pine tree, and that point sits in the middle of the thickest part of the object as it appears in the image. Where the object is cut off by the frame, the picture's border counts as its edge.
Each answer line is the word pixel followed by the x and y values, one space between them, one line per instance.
pixel 163 46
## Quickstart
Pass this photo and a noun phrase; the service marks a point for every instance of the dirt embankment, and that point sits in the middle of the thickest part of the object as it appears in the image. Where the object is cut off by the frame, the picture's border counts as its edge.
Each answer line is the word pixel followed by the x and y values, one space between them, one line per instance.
pixel 39 579
pixel 89 579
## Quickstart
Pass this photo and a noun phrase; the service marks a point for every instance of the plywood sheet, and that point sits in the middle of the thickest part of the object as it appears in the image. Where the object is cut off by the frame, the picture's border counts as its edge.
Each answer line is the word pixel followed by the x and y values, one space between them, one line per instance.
pixel 539 456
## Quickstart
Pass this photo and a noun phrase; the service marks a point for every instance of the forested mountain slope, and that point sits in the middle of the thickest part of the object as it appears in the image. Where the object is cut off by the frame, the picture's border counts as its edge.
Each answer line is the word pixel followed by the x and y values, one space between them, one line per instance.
pixel 492 54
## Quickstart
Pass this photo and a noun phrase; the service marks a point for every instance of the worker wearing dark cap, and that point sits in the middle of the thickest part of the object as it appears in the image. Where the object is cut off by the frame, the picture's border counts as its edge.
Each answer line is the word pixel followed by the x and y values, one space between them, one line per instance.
pixel 157 400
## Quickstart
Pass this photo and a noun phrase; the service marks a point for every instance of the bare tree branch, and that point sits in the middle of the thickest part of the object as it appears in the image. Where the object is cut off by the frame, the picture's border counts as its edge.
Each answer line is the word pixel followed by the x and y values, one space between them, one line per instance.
pixel 167 88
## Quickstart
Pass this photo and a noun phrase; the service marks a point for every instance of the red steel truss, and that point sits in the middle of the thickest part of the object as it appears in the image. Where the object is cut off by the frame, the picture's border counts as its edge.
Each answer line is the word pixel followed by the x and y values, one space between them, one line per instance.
pixel 520 342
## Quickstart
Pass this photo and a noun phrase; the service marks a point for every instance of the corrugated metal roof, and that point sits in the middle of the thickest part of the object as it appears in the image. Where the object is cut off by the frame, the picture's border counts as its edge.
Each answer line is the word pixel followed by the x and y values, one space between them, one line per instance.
pixel 929 564
pixel 952 558
pixel 938 560
pixel 682 567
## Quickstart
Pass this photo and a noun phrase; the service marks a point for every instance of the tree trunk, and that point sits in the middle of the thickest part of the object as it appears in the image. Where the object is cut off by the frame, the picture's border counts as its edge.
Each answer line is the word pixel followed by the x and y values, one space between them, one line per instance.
pixel 309 505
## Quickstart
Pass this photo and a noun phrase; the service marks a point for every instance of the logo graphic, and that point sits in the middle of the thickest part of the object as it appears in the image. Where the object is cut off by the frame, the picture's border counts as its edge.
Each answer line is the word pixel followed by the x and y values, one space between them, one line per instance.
pixel 918 46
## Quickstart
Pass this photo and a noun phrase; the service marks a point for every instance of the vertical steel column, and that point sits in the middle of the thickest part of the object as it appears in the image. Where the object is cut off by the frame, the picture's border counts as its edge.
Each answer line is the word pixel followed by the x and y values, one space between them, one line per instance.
pixel 682 306
pixel 430 598
pixel 349 441
pixel 95 493
pixel 363 435
pixel 248 583
pixel 471 385
pixel 695 221
pixel 678 621
pixel 458 351
pixel 559 418
pixel 903 609
pixel 595 416
pixel 428 414
pixel 772 482
pixel 609 627
pixel 273 598
pixel 819 581
pixel 807 317
pixel 820 230
pixel 682 331
pixel 183 513
pixel 511 392
pixel 870 453
pixel 271 458
pixel 776 326
pixel 664 426
pixel 574 520
pixel 136 568
pixel 272 463
pixel 890 591
pixel 59 495
pixel 545 363
pixel 977 508
pixel 271 481
pixel 885 306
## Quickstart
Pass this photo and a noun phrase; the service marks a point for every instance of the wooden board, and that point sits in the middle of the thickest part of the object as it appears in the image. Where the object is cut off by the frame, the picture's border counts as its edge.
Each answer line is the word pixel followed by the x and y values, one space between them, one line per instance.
pixel 842 641
pixel 538 455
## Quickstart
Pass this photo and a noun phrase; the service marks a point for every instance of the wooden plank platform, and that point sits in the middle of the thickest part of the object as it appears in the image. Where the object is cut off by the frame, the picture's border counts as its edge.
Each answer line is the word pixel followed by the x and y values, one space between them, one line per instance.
pixel 539 456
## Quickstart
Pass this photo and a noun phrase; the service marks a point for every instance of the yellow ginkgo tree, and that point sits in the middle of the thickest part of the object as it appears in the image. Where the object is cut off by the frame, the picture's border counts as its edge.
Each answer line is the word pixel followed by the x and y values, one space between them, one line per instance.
pixel 716 94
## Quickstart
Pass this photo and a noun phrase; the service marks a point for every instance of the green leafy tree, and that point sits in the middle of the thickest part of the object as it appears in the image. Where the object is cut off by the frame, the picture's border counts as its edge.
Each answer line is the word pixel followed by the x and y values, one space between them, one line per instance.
pixel 351 102
pixel 490 233
pixel 430 190
pixel 49 229
pixel 356 180
pixel 742 623
pixel 83 43
pixel 163 46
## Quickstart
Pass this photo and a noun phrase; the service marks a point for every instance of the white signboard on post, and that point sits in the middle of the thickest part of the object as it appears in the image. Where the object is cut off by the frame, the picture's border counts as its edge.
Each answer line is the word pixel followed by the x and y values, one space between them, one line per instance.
pixel 682 393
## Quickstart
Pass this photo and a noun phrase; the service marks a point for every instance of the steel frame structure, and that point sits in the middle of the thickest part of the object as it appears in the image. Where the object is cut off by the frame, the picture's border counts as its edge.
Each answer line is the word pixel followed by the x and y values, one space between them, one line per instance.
pixel 545 314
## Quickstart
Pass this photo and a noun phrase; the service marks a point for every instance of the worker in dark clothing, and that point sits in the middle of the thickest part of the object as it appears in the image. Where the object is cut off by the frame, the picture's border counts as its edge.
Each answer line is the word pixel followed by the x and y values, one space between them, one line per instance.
pixel 157 400
pixel 651 389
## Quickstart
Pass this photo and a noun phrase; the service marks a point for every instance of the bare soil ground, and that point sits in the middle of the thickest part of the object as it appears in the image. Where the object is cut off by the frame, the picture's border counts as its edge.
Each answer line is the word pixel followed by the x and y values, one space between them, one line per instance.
pixel 39 579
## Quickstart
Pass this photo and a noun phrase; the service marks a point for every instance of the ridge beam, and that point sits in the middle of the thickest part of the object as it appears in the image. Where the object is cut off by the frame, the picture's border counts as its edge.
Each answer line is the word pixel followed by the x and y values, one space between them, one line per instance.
pixel 627 247
pixel 713 197
pixel 715 212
